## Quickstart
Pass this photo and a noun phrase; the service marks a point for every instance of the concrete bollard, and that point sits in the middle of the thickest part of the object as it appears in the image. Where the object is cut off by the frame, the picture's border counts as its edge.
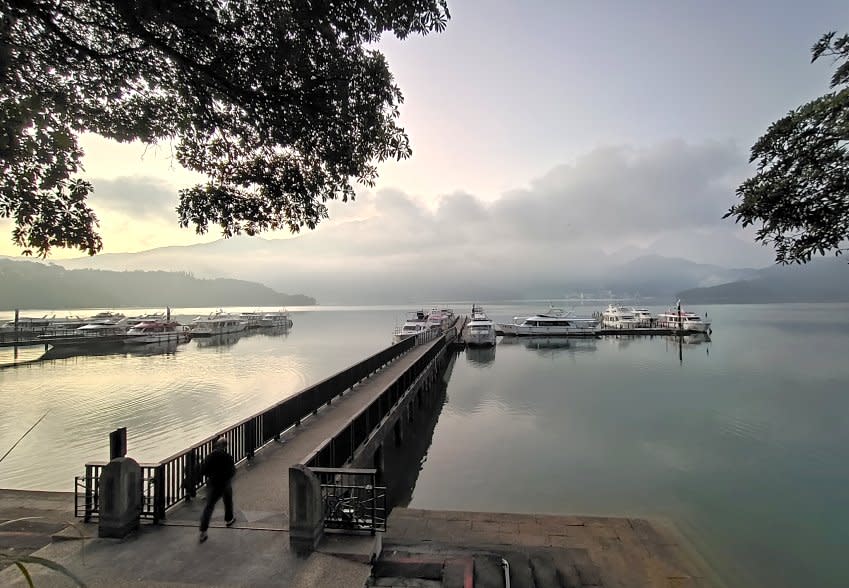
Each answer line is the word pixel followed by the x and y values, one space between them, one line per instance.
pixel 306 510
pixel 120 498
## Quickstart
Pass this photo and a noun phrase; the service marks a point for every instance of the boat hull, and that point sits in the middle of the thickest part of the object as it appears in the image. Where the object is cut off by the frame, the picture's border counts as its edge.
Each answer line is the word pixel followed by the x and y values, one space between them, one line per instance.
pixel 687 326
pixel 150 338
pixel 515 330
pixel 212 330
pixel 481 339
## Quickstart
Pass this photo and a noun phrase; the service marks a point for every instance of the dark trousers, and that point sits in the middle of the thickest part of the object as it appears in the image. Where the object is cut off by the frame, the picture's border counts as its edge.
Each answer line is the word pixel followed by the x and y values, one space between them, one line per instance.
pixel 213 494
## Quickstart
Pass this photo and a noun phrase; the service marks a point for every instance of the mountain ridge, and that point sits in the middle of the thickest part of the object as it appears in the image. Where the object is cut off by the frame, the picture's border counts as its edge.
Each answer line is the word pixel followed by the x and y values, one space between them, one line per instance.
pixel 28 285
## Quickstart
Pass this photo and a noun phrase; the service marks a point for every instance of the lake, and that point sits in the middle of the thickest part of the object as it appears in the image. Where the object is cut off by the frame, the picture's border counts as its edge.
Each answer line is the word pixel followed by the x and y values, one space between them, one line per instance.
pixel 742 441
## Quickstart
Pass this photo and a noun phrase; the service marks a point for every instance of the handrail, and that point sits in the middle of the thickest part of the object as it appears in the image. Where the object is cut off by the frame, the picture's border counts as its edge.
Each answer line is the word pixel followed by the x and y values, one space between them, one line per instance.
pixel 177 477
pixel 340 447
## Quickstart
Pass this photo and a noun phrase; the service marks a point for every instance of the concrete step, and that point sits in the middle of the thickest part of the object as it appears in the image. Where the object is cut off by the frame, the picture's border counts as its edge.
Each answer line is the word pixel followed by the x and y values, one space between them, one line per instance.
pixel 326 570
pixel 544 571
pixel 521 575
pixel 359 548
pixel 488 572
pixel 567 571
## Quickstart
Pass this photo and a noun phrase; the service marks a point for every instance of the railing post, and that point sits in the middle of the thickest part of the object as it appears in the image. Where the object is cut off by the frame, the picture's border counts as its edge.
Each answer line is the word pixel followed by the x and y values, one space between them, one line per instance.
pixel 373 504
pixel 250 438
pixel 89 494
pixel 190 475
pixel 159 494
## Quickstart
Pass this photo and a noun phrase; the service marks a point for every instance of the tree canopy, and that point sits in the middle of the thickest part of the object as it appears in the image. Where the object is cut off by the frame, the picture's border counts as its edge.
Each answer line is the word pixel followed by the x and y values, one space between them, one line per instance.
pixel 800 193
pixel 282 104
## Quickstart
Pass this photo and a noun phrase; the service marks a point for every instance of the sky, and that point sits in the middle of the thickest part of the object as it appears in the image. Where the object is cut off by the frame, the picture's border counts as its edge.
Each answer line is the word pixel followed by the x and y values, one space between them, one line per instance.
pixel 604 128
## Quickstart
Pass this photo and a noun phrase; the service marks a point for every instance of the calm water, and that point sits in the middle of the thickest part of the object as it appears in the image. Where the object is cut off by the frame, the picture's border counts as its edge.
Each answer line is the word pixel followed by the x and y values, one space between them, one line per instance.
pixel 742 441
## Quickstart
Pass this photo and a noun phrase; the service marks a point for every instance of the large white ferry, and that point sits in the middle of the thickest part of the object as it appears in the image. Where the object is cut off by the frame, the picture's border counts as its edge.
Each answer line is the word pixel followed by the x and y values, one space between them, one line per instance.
pixel 619 317
pixel 417 322
pixel 480 330
pixel 276 318
pixel 90 334
pixel 440 318
pixel 675 318
pixel 555 322
pixel 156 332
pixel 217 323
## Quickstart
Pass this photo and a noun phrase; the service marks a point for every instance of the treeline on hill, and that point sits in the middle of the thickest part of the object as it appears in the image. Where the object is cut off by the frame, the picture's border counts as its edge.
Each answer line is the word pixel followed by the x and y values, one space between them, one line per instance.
pixel 35 285
pixel 820 280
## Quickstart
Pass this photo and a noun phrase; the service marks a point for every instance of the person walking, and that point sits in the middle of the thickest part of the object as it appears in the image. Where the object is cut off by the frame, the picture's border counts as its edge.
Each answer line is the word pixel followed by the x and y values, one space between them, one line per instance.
pixel 219 469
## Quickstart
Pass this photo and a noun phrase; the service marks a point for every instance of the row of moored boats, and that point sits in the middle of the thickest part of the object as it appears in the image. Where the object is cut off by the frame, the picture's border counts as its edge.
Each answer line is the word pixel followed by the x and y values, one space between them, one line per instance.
pixel 480 330
pixel 115 327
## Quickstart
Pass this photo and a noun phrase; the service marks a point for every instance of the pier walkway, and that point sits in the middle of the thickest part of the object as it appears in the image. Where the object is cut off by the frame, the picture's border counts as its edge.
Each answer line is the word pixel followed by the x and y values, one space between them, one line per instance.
pixel 261 487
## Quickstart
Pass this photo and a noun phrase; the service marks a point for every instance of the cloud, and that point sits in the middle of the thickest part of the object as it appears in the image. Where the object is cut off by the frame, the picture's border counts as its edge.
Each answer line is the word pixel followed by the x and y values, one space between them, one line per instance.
pixel 607 199
pixel 569 228
pixel 139 197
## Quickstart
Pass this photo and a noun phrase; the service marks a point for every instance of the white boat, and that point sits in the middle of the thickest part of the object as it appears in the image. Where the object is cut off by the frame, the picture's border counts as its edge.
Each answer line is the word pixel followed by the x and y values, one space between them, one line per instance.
pixel 147 318
pixel 679 320
pixel 480 330
pixel 217 323
pixel 619 317
pixel 277 318
pixel 417 322
pixel 553 323
pixel 156 332
pixel 106 318
pixel 643 316
pixel 440 318
pixel 252 320
pixel 90 334
pixel 26 323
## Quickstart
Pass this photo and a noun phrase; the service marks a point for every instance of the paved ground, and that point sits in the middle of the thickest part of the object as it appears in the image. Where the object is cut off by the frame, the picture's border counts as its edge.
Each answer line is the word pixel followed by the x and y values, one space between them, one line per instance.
pixel 29 519
pixel 172 556
pixel 551 551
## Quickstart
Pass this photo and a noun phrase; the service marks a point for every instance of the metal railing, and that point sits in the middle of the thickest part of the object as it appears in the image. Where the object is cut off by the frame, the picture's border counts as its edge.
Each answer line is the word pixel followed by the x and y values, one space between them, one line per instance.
pixel 87 492
pixel 177 478
pixel 352 499
pixel 336 451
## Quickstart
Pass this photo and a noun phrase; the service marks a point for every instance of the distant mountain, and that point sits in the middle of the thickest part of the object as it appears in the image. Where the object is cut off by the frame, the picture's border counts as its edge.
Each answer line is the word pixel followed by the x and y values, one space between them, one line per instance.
pixel 337 274
pixel 26 284
pixel 658 276
pixel 821 280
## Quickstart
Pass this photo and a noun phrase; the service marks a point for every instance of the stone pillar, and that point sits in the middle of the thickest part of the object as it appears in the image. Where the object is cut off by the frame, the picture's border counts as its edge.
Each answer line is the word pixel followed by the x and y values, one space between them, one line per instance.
pixel 306 510
pixel 120 498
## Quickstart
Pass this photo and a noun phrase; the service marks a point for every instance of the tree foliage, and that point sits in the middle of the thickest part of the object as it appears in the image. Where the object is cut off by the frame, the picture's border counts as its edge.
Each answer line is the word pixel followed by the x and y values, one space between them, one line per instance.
pixel 800 193
pixel 282 104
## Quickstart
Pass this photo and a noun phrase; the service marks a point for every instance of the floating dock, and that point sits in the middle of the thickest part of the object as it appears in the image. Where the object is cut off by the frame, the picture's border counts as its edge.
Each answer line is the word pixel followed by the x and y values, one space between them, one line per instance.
pixel 645 331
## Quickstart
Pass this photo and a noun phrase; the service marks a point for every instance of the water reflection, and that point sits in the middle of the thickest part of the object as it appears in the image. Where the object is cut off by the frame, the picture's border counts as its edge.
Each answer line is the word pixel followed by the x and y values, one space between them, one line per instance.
pixel 68 351
pixel 554 346
pixel 226 340
pixel 267 332
pixel 480 356
pixel 404 463
pixel 681 342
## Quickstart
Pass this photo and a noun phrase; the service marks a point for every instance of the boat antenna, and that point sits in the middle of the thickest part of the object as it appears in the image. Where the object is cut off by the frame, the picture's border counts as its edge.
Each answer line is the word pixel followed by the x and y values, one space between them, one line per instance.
pixel 24 435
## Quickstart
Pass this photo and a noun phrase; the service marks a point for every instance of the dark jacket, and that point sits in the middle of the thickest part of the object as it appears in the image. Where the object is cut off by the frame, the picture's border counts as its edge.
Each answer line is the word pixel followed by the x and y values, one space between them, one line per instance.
pixel 218 467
